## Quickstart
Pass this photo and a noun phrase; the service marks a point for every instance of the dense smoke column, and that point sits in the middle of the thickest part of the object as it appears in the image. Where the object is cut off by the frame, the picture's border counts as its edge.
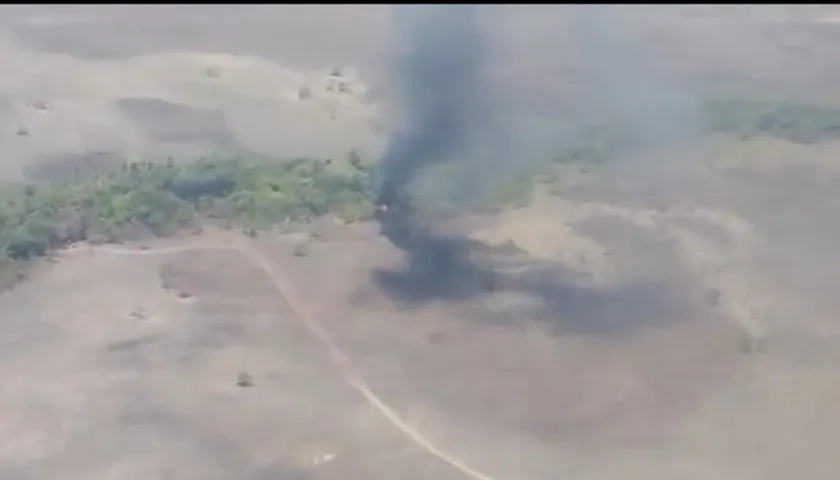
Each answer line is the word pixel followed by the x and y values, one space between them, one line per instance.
pixel 437 68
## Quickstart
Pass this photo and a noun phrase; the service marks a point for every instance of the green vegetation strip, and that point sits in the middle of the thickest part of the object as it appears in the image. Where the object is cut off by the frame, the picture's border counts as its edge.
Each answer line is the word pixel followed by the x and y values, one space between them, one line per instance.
pixel 162 198
pixel 154 198
pixel 795 122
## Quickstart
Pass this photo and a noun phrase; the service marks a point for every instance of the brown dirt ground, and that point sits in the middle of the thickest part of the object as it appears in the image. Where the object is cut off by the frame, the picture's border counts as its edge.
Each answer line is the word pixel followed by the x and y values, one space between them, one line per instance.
pixel 125 366
pixel 131 366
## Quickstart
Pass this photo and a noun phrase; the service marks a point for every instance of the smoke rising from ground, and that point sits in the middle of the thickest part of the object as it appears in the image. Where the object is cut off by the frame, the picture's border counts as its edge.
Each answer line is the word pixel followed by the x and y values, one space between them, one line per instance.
pixel 438 68
pixel 629 92
pixel 452 112
pixel 451 109
pixel 626 86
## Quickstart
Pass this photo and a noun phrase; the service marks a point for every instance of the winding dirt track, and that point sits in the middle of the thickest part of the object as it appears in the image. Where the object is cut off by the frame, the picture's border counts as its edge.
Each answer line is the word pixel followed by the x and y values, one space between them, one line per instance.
pixel 303 315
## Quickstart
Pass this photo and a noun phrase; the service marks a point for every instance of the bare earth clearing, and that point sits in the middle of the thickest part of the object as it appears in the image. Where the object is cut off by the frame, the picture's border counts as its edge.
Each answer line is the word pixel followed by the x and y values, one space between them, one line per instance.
pixel 645 360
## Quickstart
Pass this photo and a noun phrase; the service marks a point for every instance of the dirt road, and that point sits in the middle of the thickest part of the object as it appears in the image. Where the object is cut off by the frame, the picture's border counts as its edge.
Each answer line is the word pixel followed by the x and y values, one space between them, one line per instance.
pixel 349 375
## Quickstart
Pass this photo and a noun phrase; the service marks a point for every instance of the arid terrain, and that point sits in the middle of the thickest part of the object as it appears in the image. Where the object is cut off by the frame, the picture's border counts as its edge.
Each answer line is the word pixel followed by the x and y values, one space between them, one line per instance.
pixel 676 325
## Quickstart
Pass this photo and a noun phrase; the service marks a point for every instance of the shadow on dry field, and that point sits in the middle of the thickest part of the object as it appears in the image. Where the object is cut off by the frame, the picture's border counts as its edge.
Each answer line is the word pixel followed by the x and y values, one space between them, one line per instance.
pixel 446 269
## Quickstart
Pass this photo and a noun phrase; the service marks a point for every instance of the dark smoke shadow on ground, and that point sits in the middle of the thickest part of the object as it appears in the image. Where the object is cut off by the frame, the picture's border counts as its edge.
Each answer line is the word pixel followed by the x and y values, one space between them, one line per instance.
pixel 440 268
pixel 572 307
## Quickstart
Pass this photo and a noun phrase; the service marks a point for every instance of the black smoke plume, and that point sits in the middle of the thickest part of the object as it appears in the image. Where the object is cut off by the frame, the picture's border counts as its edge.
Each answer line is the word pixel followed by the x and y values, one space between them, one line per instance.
pixel 438 70
pixel 437 67
pixel 443 103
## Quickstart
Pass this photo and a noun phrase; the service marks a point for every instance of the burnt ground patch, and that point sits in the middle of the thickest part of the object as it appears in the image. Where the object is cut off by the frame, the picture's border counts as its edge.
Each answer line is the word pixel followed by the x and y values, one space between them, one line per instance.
pixel 450 268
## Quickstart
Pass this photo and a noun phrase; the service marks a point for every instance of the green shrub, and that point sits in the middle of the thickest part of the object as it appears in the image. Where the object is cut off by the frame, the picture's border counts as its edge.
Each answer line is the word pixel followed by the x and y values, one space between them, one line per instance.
pixel 163 197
